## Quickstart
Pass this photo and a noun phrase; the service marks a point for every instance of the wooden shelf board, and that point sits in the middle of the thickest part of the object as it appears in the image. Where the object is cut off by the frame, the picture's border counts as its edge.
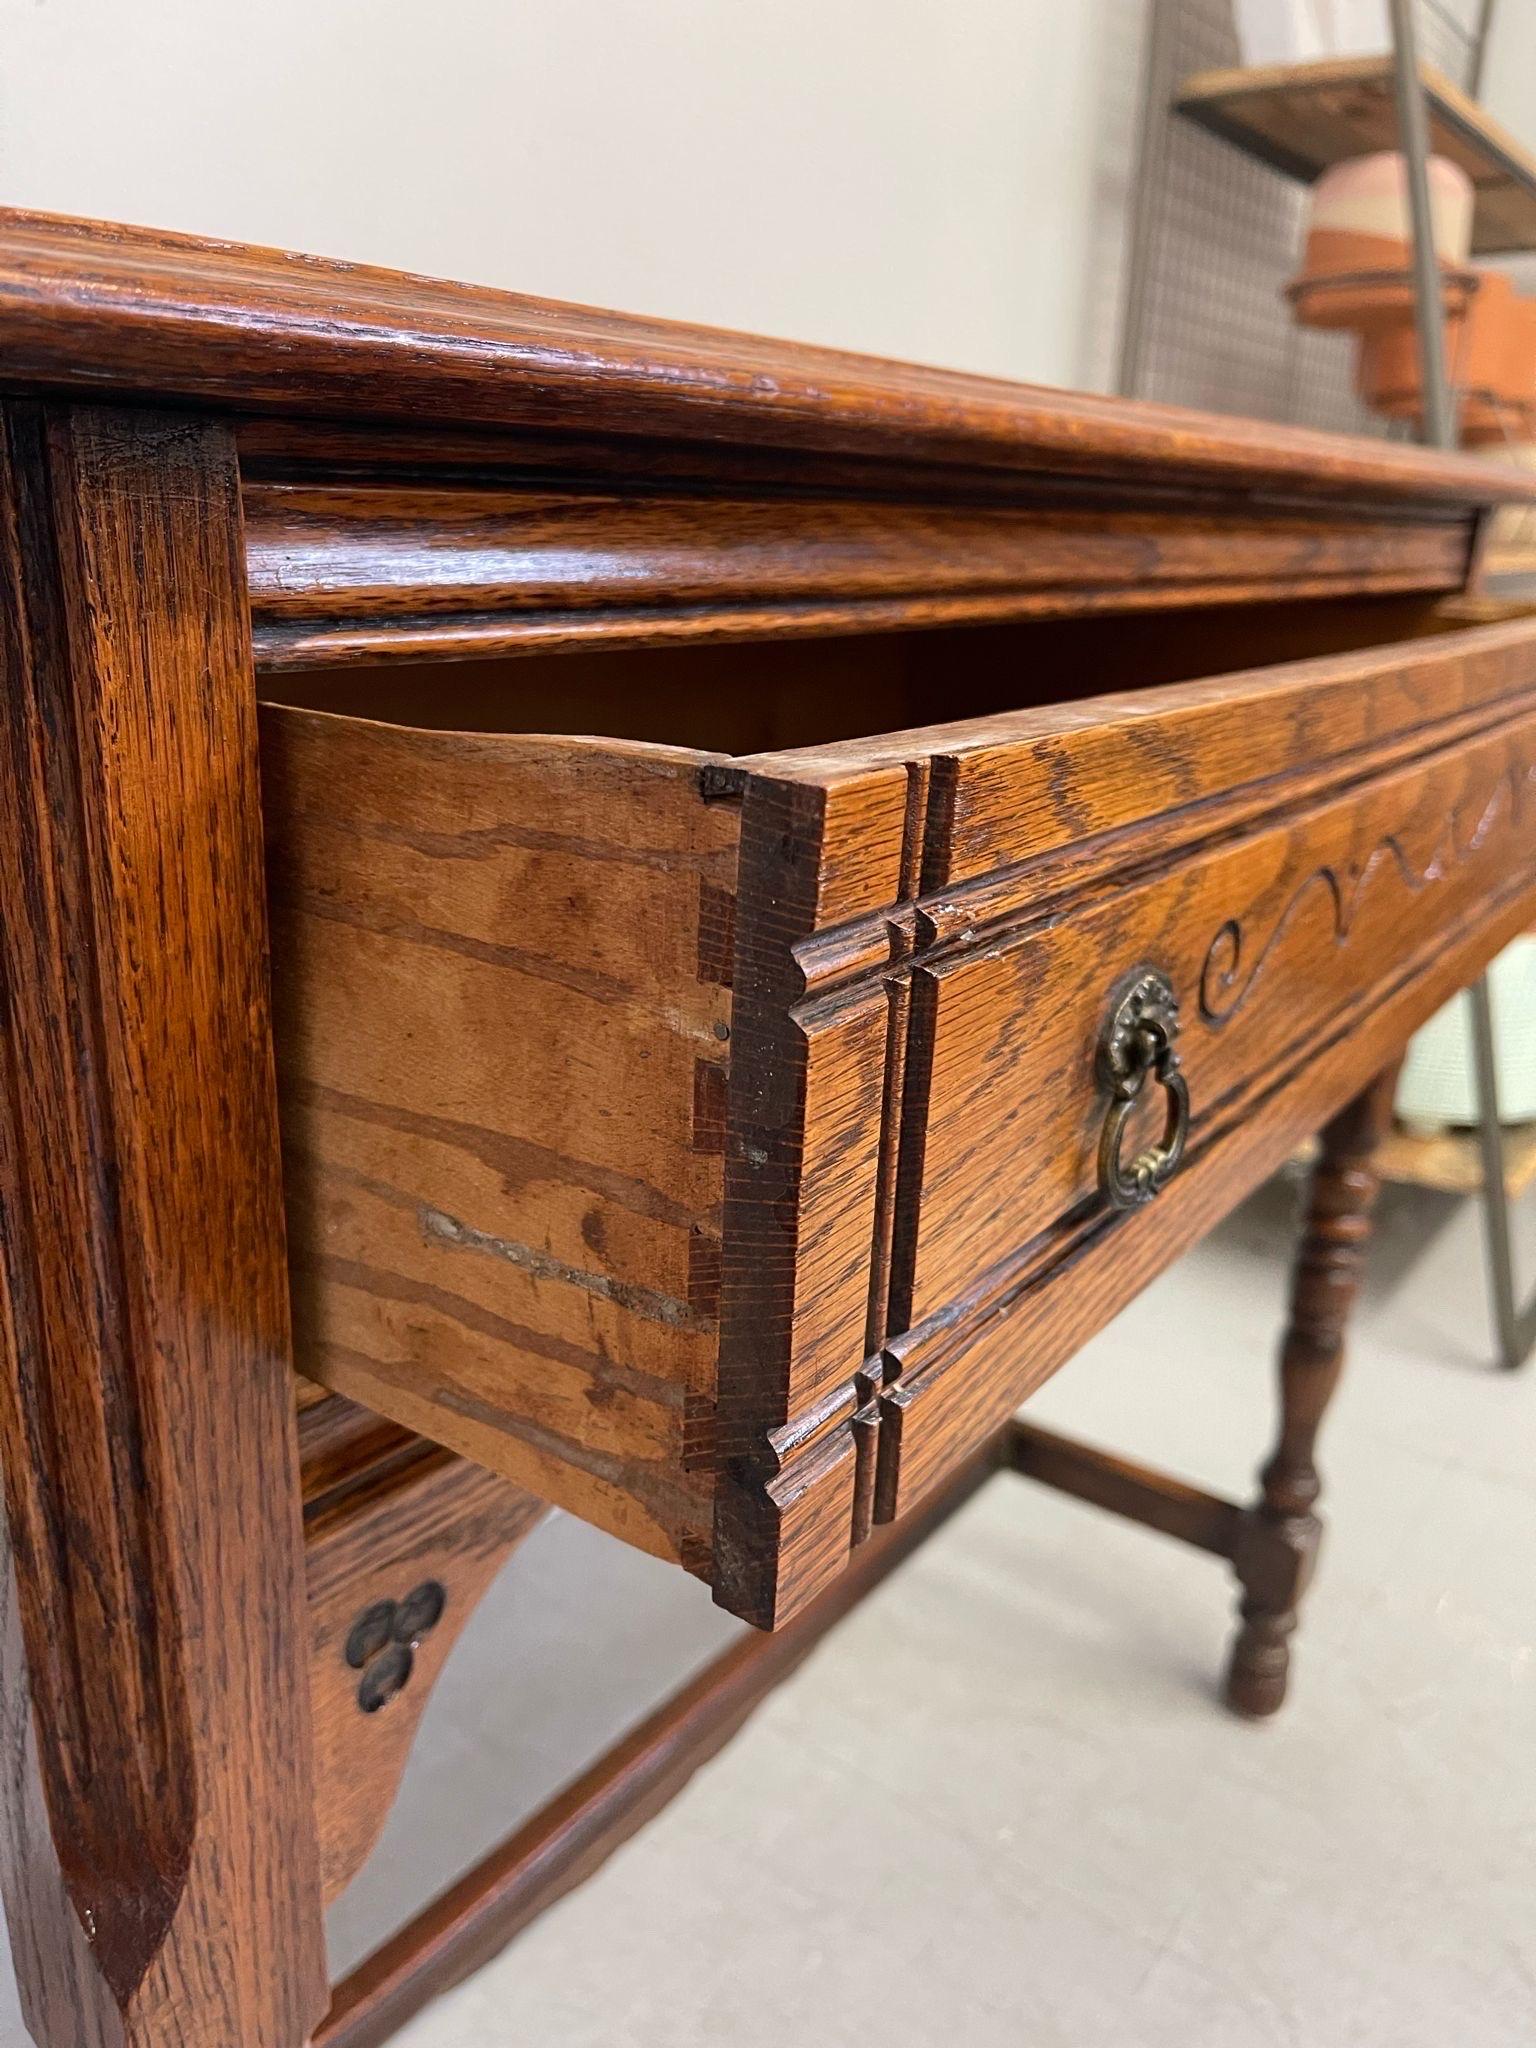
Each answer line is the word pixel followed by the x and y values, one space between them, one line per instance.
pixel 1300 118
pixel 1450 1160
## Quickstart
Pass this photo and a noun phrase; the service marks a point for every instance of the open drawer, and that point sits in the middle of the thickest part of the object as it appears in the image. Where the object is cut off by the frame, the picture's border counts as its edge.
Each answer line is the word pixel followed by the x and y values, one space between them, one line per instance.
pixel 719 1127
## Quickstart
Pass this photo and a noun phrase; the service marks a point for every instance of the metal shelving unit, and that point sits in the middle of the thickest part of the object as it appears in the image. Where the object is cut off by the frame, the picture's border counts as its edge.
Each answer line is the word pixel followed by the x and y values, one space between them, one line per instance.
pixel 1296 120
pixel 1301 119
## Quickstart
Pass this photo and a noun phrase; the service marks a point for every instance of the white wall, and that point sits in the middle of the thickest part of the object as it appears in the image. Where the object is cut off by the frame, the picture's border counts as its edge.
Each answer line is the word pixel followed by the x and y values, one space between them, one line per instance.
pixel 917 178
pixel 1508 88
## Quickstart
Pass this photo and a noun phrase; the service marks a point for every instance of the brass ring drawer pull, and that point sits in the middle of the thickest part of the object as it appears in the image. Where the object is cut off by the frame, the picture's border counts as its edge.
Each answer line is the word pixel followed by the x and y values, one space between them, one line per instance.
pixel 1136 1046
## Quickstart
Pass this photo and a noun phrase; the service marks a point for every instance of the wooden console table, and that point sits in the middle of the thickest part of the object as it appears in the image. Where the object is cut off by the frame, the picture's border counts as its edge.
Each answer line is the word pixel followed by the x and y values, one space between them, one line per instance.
pixel 1017 821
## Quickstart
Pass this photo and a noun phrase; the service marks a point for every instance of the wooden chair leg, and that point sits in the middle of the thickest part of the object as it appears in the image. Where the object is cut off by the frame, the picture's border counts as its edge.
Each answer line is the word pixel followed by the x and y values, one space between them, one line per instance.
pixel 1277 1545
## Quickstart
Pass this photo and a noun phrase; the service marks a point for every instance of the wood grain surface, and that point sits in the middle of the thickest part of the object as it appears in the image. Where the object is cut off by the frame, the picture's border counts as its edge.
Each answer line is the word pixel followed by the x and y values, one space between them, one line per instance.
pixel 1009 1341
pixel 1303 850
pixel 388 1520
pixel 391 551
pixel 380 569
pixel 902 1121
pixel 1155 1499
pixel 160 1869
pixel 574 1834
pixel 1276 1552
pixel 501 1031
pixel 692 1126
pixel 225 326
pixel 1267 939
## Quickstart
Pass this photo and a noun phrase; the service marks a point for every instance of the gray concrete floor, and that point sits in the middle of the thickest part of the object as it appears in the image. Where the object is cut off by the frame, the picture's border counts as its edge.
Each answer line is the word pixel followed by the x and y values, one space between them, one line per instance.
pixel 1001 1805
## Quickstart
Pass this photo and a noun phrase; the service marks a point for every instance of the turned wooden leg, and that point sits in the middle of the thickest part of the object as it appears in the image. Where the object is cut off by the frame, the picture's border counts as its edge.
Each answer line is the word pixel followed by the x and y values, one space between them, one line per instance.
pixel 1278 1543
pixel 157 1820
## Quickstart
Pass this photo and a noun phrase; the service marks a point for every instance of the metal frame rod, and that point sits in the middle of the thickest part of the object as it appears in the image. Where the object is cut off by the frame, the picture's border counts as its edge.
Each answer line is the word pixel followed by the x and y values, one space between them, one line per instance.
pixel 1152 127
pixel 1479 53
pixel 1515 1326
pixel 1413 133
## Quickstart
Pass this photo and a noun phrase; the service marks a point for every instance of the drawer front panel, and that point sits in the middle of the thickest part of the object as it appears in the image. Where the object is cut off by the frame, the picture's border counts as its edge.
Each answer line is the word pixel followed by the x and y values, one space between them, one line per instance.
pixel 1266 941
pixel 1173 765
pixel 1313 857
pixel 958 1380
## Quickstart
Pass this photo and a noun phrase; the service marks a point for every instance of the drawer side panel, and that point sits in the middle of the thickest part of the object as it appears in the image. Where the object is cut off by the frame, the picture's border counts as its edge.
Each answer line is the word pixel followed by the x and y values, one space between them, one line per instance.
pixel 501 1046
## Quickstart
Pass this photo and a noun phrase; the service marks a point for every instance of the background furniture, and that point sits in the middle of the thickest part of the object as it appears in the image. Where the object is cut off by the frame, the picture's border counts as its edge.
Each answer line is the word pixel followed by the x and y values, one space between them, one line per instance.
pixel 1203 321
